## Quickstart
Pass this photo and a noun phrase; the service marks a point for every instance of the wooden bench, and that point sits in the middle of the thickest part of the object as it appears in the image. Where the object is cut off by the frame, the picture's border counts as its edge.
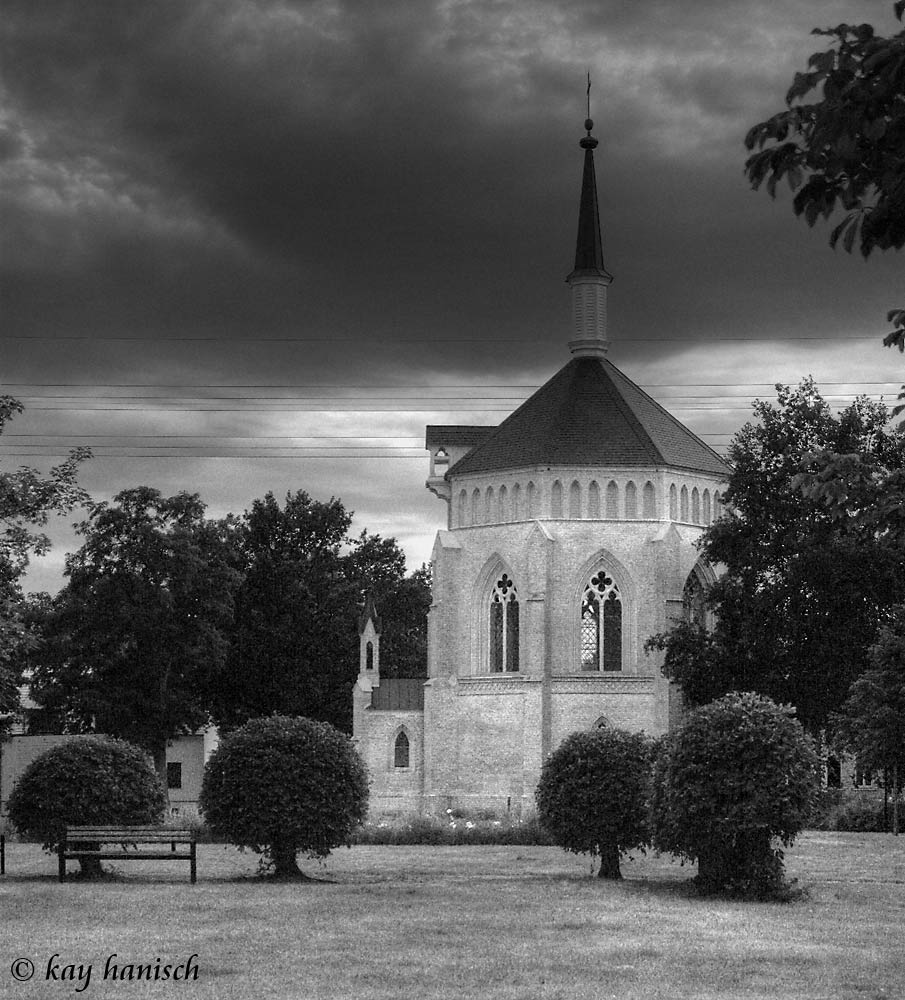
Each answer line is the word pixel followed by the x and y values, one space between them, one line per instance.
pixel 134 843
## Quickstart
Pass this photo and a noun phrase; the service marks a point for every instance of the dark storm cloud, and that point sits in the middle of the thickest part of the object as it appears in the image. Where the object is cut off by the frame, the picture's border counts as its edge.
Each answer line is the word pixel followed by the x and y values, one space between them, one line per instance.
pixel 257 168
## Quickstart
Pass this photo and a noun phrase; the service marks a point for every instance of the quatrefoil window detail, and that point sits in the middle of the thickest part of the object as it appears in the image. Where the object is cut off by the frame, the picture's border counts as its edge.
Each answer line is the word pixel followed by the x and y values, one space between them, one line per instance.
pixel 504 627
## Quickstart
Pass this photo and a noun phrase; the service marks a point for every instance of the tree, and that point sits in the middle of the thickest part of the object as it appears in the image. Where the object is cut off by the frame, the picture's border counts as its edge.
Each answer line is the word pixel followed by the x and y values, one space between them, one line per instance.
pixel 872 721
pixel 136 636
pixel 26 502
pixel 282 785
pixel 86 781
pixel 846 150
pixel 592 795
pixel 787 557
pixel 294 643
pixel 737 774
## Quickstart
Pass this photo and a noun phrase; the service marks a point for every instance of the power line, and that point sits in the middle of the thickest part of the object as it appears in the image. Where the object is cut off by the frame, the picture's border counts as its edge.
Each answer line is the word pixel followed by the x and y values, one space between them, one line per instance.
pixel 420 340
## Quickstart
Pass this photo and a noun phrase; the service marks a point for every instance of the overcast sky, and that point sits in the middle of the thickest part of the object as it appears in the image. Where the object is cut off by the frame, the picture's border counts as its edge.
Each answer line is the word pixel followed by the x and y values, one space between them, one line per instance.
pixel 311 228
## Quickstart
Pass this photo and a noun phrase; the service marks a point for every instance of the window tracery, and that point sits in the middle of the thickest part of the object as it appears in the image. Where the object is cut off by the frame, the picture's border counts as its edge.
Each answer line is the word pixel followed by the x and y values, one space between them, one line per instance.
pixel 504 627
pixel 601 624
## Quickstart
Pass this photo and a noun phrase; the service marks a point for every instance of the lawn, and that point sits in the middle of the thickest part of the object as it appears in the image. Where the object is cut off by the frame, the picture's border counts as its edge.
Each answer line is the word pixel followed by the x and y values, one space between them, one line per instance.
pixel 497 923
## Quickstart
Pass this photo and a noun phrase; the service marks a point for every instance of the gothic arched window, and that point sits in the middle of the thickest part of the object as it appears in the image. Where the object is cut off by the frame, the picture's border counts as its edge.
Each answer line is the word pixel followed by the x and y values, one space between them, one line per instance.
pixel 369 656
pixel 631 501
pixel 575 499
pixel 593 499
pixel 601 624
pixel 401 749
pixel 556 500
pixel 504 627
pixel 612 500
pixel 648 503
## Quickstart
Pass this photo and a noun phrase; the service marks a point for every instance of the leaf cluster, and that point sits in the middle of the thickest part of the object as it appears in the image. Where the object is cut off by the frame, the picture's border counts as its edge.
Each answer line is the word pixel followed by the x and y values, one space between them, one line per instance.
pixel 738 773
pixel 593 791
pixel 789 556
pixel 283 784
pixel 85 781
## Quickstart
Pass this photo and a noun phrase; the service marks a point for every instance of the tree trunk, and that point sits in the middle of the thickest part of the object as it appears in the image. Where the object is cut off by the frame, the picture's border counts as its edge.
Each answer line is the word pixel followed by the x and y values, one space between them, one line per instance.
pixel 285 864
pixel 609 862
pixel 89 867
pixel 895 799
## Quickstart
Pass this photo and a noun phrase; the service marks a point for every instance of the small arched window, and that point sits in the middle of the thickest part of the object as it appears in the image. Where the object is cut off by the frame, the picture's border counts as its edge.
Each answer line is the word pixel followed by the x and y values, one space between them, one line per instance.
pixel 488 505
pixel 575 499
pixel 401 750
pixel 683 504
pixel 717 506
pixel 612 500
pixel 556 500
pixel 601 624
pixel 648 502
pixel 503 504
pixel 706 506
pixel 463 509
pixel 673 503
pixel 695 506
pixel 504 627
pixel 476 506
pixel 516 502
pixel 593 499
pixel 369 656
pixel 601 723
pixel 631 501
pixel 533 500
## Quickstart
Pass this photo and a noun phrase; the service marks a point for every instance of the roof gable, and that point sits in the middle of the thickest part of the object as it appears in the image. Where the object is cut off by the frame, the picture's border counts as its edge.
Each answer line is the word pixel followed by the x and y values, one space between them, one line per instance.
pixel 590 414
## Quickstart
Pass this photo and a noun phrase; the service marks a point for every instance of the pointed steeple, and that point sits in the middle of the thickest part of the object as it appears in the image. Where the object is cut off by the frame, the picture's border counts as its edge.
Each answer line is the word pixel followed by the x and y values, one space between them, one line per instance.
pixel 589 278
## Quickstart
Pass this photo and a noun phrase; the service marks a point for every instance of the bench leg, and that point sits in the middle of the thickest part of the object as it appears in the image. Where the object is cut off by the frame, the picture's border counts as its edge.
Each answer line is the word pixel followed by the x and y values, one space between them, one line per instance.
pixel 193 862
pixel 61 856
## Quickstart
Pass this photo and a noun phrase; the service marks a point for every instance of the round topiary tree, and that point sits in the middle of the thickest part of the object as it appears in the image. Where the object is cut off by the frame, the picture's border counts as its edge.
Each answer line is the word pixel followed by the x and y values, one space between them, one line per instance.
pixel 282 785
pixel 87 780
pixel 592 795
pixel 737 776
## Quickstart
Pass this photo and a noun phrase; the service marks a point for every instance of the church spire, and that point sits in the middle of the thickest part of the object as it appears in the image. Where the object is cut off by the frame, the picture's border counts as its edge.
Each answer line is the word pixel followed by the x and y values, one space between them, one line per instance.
pixel 589 278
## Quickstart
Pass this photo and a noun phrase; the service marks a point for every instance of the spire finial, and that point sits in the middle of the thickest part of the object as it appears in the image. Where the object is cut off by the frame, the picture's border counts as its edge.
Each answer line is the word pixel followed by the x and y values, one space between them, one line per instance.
pixel 589 278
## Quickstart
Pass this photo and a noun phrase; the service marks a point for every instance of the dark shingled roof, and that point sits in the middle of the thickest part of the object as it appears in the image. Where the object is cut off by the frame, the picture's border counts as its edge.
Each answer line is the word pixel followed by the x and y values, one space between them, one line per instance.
pixel 590 414
pixel 399 693
pixel 456 434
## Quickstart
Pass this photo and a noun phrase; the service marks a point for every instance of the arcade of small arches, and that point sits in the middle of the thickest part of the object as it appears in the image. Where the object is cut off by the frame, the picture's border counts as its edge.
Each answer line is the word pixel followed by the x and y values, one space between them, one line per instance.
pixel 614 502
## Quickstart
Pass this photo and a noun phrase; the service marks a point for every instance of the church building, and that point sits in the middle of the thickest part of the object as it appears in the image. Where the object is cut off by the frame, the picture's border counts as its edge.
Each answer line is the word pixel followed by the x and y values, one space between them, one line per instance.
pixel 569 540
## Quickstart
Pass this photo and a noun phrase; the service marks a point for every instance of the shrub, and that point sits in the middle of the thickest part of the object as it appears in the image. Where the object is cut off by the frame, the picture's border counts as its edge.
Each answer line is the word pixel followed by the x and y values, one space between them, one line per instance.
pixel 89 780
pixel 592 794
pixel 282 785
pixel 738 774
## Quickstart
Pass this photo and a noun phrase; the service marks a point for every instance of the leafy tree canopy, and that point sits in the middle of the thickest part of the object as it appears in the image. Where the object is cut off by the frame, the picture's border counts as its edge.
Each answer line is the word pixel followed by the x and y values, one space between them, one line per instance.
pixel 27 500
pixel 282 785
pixel 737 773
pixel 592 794
pixel 294 644
pixel 872 721
pixel 846 150
pixel 134 639
pixel 788 558
pixel 86 781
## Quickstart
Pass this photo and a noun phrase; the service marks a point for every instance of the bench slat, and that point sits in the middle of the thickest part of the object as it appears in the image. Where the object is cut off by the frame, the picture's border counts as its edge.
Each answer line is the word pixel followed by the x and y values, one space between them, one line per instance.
pixel 126 837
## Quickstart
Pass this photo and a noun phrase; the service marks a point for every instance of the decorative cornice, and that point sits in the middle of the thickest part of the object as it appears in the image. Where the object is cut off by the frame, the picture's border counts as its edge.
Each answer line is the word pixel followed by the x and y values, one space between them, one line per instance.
pixel 514 684
pixel 604 684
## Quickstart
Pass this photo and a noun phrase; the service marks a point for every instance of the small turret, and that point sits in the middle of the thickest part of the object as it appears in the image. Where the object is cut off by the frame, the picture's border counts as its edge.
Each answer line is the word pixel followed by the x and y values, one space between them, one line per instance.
pixel 369 626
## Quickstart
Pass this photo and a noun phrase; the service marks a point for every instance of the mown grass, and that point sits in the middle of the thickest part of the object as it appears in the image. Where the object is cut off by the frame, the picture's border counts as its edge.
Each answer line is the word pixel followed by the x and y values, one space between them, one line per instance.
pixel 496 922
